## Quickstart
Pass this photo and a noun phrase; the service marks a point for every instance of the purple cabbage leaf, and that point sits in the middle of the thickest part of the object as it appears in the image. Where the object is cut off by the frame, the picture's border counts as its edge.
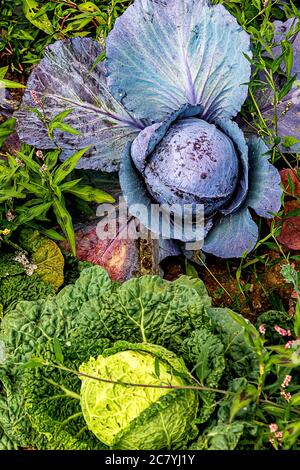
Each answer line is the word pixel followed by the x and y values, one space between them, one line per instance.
pixel 162 54
pixel 69 77
pixel 161 104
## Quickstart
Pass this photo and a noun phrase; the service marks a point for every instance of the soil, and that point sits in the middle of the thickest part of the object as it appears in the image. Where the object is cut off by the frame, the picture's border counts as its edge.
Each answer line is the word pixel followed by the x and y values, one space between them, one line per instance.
pixel 257 293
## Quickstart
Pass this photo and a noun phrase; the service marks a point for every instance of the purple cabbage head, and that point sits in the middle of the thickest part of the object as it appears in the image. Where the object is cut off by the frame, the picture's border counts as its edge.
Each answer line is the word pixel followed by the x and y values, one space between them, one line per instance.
pixel 160 109
pixel 195 162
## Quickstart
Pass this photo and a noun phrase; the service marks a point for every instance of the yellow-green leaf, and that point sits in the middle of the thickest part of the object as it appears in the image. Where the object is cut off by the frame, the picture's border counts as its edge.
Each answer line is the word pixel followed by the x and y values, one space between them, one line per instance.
pixel 90 194
pixel 68 166
pixel 31 8
pixel 65 221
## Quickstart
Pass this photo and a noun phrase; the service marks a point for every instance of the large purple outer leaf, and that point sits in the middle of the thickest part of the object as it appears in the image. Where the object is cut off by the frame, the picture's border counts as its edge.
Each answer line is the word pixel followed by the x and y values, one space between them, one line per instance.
pixel 232 235
pixel 288 110
pixel 67 78
pixel 234 132
pixel 264 194
pixel 162 54
pixel 236 233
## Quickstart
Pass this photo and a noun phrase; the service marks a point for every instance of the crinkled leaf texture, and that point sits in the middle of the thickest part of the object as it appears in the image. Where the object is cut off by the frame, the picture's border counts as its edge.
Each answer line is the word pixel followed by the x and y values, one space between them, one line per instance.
pixel 220 437
pixel 204 352
pixel 70 76
pixel 161 55
pixel 16 285
pixel 86 318
pixel 46 255
pixel 240 355
pixel 237 233
pixel 131 418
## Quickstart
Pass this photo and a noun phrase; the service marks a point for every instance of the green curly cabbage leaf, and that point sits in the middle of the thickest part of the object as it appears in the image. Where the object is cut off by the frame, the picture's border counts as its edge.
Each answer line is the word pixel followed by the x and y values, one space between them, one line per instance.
pixel 84 320
pixel 137 417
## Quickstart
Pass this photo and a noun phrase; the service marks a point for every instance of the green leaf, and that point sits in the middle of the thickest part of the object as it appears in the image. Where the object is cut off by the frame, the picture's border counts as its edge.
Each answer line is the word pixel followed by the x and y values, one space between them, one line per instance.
pixel 289 141
pixel 77 25
pixel 190 270
pixel 291 434
pixel 240 353
pixel 53 234
pixel 198 285
pixel 88 6
pixel 242 399
pixel 64 127
pixel 58 351
pixel 68 166
pixel 297 320
pixel 34 363
pixel 61 116
pixel 156 367
pixel 90 194
pixel 6 128
pixel 31 8
pixel 220 437
pixel 34 188
pixel 52 159
pixel 286 88
pixel 288 55
pixel 31 213
pixel 65 221
pixel 34 166
pixel 69 185
pixel 10 193
pixel 46 255
pixel 10 84
pixel 3 71
pixel 252 332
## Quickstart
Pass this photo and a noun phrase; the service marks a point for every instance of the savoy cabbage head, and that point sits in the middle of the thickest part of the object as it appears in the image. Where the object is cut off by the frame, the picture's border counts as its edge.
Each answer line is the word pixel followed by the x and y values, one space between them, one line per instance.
pixel 162 105
pixel 136 417
pixel 145 331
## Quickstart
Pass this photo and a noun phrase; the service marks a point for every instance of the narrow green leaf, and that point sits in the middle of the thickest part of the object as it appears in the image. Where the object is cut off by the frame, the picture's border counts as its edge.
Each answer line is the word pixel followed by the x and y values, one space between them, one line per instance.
pixel 286 88
pixel 10 84
pixel 61 116
pixel 69 185
pixel 3 71
pixel 9 193
pixel 31 8
pixel 65 221
pixel 77 25
pixel 64 127
pixel 297 320
pixel 34 166
pixel 52 159
pixel 33 213
pixel 157 367
pixel 34 363
pixel 68 166
pixel 58 351
pixel 288 56
pixel 50 233
pixel 90 194
pixel 34 188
